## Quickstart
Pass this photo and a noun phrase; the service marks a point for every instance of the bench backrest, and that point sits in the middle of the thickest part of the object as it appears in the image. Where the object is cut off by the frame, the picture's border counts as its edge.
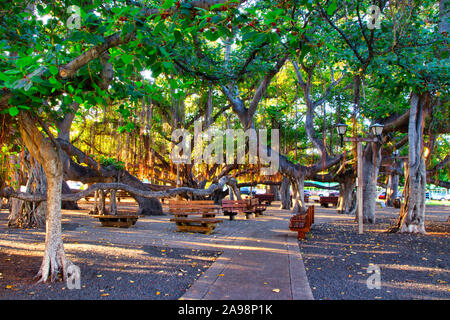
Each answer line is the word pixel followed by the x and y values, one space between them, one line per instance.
pixel 252 202
pixel 234 204
pixel 194 206
pixel 269 196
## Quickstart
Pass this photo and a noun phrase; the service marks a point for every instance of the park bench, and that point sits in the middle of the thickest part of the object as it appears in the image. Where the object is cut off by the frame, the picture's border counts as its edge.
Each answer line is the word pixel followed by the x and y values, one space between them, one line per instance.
pixel 266 198
pixel 301 223
pixel 233 207
pixel 194 216
pixel 326 201
pixel 117 220
pixel 257 206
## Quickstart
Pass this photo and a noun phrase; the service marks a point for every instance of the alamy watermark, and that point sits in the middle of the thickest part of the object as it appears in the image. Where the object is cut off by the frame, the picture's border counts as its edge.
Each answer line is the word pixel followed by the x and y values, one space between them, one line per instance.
pixel 74 20
pixel 374 280
pixel 213 153
pixel 374 19
pixel 73 280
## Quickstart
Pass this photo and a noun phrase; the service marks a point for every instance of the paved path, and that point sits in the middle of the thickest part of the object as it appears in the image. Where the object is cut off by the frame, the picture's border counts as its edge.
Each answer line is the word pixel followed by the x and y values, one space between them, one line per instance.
pixel 265 264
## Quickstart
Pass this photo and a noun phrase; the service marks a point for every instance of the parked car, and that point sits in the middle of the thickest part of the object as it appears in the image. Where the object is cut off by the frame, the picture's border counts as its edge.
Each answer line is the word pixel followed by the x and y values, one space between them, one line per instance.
pixel 438 196
pixel 382 195
pixel 246 190
pixel 307 193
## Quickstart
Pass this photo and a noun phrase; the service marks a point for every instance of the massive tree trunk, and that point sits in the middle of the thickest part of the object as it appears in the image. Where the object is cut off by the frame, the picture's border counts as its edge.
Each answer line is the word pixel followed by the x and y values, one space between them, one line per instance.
pixel 147 206
pixel 48 155
pixel 412 213
pixel 392 185
pixel 298 194
pixel 285 193
pixel 371 166
pixel 25 214
pixel 64 126
pixel 346 200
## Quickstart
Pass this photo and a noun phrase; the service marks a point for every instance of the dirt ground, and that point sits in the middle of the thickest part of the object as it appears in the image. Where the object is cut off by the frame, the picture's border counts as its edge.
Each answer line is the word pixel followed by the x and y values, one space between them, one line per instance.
pixel 339 261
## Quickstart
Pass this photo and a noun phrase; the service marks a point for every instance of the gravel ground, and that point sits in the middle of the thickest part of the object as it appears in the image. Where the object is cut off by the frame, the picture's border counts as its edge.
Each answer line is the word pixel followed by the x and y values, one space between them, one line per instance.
pixel 108 272
pixel 411 266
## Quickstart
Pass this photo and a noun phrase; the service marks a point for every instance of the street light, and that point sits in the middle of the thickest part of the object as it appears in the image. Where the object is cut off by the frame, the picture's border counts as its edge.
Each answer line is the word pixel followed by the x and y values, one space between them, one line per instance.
pixel 377 129
pixel 341 128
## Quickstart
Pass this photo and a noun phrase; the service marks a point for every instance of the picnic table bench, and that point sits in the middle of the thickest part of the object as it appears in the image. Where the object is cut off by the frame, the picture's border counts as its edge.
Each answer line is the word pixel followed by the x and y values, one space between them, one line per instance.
pixel 246 206
pixel 301 223
pixel 233 207
pixel 117 220
pixel 258 207
pixel 326 201
pixel 267 198
pixel 194 216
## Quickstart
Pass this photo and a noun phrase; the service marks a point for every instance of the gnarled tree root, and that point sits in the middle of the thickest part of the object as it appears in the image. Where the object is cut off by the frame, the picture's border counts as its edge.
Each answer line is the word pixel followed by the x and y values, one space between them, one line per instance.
pixel 54 263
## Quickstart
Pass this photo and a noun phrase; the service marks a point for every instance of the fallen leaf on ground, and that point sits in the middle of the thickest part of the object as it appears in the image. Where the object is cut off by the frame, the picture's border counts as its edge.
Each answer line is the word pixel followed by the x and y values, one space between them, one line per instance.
pixel 276 290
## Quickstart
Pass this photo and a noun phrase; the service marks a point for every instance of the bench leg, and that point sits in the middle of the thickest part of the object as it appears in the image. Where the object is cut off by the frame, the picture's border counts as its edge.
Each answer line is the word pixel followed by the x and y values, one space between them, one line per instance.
pixel 301 235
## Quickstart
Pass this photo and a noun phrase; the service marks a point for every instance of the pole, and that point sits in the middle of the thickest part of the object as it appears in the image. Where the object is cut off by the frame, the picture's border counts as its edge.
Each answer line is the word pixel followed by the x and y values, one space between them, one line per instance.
pixel 360 187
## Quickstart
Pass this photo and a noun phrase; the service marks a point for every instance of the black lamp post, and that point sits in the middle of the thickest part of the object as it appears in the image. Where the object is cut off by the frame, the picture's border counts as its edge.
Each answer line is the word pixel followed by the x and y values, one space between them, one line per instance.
pixel 377 129
pixel 341 128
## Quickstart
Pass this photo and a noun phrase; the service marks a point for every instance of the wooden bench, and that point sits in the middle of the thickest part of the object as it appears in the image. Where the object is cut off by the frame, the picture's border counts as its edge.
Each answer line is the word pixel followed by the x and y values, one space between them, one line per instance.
pixel 301 223
pixel 254 205
pixel 117 220
pixel 233 207
pixel 326 201
pixel 194 216
pixel 266 198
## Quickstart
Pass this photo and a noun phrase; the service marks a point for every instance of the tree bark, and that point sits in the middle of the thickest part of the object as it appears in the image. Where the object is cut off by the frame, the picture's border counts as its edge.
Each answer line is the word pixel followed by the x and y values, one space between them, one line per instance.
pixel 47 154
pixel 346 200
pixel 25 214
pixel 412 213
pixel 392 186
pixel 371 166
pixel 94 172
pixel 285 194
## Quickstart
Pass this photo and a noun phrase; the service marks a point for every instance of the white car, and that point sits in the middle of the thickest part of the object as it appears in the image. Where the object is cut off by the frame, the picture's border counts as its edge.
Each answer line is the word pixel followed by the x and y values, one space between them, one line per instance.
pixel 438 196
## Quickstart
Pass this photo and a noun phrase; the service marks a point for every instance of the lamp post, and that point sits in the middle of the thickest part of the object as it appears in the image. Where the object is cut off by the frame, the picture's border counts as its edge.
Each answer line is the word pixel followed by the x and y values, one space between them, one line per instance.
pixel 376 130
pixel 341 128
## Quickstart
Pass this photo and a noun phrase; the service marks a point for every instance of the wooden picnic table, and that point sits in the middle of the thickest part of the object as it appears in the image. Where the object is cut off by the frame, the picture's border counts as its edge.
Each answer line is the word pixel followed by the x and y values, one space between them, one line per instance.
pixel 194 216
pixel 117 220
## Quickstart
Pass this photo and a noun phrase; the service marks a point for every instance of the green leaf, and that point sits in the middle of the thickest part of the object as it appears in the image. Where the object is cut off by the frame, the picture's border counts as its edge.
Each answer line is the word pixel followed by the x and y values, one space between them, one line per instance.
pixel 55 82
pixel 332 7
pixel 126 58
pixel 178 35
pixel 3 77
pixel 13 111
pixel 168 3
pixel 54 70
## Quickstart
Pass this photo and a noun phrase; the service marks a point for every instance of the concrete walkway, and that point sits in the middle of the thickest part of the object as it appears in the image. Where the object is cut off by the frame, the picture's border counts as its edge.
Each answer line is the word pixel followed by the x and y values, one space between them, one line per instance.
pixel 264 265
